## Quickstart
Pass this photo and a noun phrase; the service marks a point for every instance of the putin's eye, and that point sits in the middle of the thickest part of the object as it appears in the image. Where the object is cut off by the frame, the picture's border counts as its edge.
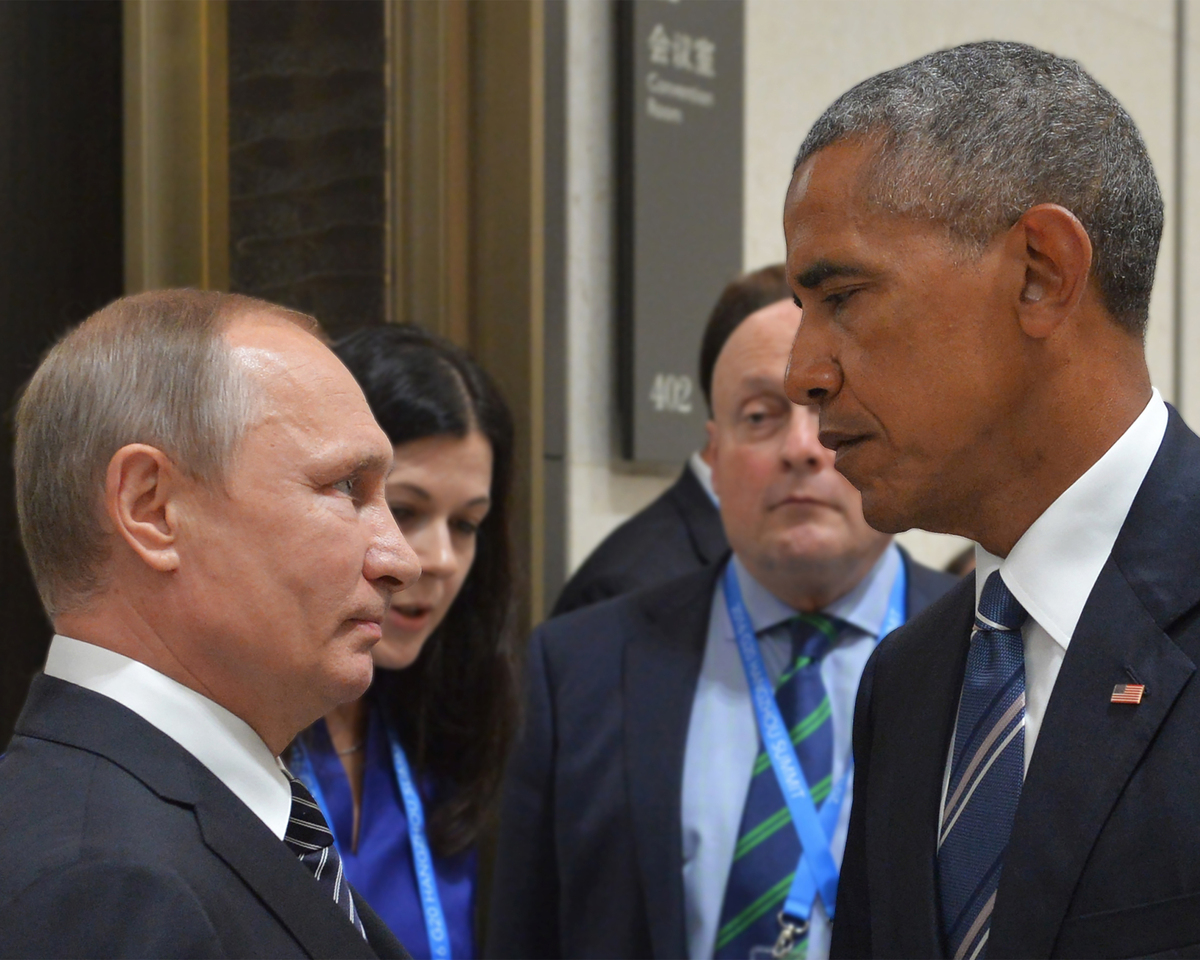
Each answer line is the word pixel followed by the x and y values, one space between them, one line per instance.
pixel 347 486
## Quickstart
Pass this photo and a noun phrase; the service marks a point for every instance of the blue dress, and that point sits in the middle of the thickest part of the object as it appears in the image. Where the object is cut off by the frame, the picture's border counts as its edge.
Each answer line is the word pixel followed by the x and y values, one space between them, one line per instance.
pixel 381 869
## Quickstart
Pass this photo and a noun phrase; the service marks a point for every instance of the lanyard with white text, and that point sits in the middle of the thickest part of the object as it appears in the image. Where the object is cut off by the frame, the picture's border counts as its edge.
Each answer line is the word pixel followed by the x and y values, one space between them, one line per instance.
pixel 431 902
pixel 816 871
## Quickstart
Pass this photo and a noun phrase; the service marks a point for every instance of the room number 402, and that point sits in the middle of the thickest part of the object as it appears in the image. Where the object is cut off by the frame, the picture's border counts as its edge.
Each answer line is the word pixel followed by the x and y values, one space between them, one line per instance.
pixel 671 393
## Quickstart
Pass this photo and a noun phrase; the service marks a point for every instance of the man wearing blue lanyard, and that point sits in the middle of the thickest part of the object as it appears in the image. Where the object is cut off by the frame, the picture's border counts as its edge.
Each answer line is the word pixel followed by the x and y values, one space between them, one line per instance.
pixel 642 815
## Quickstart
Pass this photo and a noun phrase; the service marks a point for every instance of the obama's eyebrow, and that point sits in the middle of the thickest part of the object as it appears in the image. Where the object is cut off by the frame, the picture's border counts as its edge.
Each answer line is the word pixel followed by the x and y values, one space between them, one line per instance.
pixel 823 270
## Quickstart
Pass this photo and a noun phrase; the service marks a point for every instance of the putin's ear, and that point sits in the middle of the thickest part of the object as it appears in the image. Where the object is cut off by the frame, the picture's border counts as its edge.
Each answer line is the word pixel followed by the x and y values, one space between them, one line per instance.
pixel 1057 258
pixel 139 492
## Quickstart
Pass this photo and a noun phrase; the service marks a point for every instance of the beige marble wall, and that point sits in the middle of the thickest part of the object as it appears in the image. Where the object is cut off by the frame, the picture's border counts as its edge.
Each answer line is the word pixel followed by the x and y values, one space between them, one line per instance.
pixel 1190 314
pixel 601 492
pixel 800 54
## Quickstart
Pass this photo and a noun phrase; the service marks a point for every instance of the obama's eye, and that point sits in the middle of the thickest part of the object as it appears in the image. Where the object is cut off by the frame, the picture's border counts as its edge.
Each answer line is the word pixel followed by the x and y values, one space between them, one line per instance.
pixel 837 299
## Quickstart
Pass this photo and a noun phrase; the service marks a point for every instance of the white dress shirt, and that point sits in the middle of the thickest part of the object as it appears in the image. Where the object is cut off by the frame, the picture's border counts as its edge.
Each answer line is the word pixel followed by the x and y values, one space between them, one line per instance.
pixel 1051 570
pixel 723 741
pixel 225 744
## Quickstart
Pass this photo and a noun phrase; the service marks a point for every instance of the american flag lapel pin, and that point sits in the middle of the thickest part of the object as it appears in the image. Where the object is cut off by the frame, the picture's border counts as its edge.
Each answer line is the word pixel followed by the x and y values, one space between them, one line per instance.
pixel 1128 693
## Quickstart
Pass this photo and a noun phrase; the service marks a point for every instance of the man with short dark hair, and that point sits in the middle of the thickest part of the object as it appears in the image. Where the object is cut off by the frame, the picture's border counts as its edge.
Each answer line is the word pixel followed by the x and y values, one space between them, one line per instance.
pixel 641 816
pixel 973 237
pixel 681 530
pixel 200 491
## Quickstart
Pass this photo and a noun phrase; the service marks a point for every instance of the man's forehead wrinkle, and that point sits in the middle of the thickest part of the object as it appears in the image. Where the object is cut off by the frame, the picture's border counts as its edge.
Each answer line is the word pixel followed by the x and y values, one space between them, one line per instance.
pixel 279 370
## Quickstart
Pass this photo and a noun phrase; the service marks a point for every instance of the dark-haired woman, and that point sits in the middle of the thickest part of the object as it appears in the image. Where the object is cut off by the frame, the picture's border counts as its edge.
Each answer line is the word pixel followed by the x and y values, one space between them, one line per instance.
pixel 407 774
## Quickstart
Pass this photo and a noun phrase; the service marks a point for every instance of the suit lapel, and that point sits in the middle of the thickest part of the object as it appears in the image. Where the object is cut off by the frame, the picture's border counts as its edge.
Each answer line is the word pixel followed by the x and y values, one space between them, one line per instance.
pixel 1088 748
pixel 66 713
pixel 701 517
pixel 381 938
pixel 1086 752
pixel 276 876
pixel 661 669
pixel 922 718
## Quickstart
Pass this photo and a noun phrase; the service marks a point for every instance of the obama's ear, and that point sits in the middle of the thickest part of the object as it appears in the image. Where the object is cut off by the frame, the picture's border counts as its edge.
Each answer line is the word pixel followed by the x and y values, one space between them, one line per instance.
pixel 1056 254
pixel 140 492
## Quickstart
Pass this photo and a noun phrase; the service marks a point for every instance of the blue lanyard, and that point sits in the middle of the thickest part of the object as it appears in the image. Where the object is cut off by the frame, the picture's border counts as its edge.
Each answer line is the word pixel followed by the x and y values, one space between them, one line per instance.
pixel 816 872
pixel 414 810
pixel 431 902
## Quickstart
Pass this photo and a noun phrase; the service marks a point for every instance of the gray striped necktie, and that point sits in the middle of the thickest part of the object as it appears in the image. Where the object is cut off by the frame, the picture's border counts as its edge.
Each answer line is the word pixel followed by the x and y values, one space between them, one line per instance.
pixel 309 837
pixel 987 770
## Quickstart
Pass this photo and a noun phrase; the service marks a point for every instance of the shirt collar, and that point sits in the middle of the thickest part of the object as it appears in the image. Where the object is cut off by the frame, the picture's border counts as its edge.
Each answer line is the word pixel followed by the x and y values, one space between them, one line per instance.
pixel 864 607
pixel 1051 570
pixel 223 742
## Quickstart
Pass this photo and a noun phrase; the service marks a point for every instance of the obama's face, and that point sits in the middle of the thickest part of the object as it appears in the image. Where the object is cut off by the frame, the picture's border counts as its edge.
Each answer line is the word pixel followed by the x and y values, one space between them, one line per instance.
pixel 906 348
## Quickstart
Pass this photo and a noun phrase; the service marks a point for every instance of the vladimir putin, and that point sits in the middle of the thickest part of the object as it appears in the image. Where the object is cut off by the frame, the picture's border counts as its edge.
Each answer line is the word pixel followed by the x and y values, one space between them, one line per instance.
pixel 200 491
pixel 973 237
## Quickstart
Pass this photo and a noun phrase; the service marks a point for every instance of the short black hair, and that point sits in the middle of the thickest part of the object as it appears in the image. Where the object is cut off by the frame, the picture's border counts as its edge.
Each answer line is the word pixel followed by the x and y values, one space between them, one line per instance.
pixel 455 708
pixel 748 293
pixel 975 135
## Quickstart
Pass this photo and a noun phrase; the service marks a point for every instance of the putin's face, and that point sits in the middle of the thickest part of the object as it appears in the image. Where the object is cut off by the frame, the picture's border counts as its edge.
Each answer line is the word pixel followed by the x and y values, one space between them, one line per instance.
pixel 291 563
pixel 906 348
pixel 784 506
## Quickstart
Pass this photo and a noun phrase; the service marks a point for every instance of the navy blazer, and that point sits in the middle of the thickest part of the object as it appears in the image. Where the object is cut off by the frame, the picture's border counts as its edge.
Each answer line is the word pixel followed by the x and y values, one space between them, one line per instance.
pixel 117 842
pixel 590 858
pixel 1104 858
pixel 679 532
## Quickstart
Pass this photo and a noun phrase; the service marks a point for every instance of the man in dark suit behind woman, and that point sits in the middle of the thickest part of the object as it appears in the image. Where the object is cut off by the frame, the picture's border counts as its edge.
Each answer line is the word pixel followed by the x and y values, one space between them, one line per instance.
pixel 681 530
pixel 630 823
pixel 200 487
pixel 973 237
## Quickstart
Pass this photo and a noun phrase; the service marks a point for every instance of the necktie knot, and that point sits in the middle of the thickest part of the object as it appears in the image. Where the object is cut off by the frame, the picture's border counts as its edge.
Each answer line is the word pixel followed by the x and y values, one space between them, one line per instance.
pixel 812 635
pixel 998 608
pixel 306 830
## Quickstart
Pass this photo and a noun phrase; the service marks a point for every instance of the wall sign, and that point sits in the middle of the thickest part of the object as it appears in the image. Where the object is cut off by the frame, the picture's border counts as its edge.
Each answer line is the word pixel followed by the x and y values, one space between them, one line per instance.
pixel 680 185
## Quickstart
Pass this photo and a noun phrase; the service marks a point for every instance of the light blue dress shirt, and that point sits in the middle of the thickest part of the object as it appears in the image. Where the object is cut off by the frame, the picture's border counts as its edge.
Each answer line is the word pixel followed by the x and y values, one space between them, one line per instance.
pixel 723 739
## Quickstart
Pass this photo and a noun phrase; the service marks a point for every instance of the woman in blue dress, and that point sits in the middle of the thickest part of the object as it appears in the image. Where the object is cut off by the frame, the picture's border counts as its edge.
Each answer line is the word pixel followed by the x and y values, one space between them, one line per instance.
pixel 428 740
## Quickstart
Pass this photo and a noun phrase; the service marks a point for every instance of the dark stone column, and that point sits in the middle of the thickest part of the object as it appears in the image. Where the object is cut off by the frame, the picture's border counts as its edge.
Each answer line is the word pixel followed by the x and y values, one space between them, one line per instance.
pixel 61 253
pixel 307 162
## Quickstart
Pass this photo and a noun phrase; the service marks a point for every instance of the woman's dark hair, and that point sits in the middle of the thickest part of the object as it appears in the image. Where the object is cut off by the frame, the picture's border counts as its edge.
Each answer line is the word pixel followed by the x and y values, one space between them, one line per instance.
pixel 455 708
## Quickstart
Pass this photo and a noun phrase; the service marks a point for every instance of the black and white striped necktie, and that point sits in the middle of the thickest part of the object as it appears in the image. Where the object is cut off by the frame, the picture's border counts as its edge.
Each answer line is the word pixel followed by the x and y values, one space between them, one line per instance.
pixel 309 837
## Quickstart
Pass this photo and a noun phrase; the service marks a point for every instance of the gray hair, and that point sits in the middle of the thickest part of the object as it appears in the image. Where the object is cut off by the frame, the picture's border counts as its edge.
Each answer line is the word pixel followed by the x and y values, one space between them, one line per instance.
pixel 976 135
pixel 152 368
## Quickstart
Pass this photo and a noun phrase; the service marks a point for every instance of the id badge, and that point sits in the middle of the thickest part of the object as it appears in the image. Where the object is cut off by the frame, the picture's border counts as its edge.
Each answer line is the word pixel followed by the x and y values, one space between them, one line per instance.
pixel 792 943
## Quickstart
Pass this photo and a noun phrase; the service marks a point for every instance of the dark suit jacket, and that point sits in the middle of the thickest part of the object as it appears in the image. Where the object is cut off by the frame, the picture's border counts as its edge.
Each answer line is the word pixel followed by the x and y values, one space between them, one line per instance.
pixel 590 860
pixel 1104 858
pixel 118 843
pixel 679 532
